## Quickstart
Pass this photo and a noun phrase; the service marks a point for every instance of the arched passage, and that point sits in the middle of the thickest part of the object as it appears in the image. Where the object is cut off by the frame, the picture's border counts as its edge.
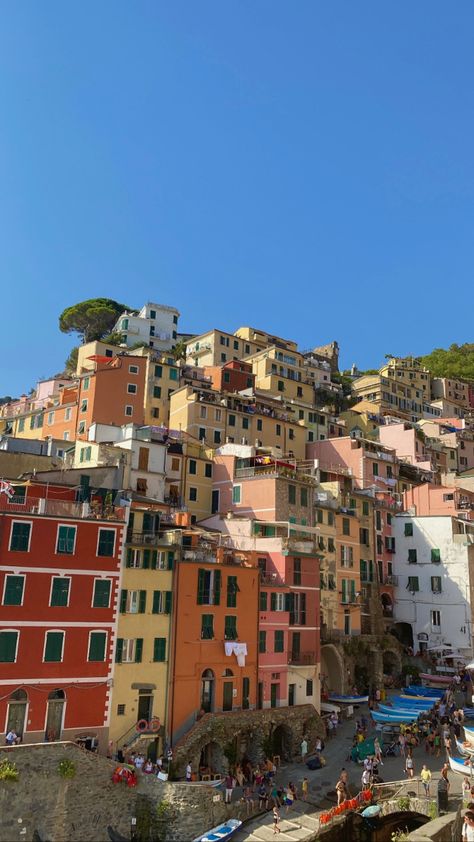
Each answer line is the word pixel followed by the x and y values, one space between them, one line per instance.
pixel 404 633
pixel 281 741
pixel 332 669
pixel 212 758
pixel 387 605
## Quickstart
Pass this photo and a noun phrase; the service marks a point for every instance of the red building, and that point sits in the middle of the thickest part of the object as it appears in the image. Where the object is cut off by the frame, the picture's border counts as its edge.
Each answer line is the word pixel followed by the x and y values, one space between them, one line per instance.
pixel 59 578
pixel 234 376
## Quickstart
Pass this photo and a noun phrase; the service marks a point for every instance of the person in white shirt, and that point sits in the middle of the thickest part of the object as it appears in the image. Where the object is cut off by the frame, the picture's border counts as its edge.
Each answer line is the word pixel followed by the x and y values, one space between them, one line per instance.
pixel 468 827
pixel 189 772
pixel 12 739
pixel 304 749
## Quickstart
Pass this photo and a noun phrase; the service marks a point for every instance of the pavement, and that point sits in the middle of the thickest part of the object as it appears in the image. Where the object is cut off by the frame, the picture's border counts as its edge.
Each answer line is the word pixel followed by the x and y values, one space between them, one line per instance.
pixel 301 823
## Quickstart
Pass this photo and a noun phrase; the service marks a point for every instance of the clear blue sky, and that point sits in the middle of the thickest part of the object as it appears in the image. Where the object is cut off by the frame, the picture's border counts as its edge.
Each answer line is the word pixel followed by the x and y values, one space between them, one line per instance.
pixel 302 167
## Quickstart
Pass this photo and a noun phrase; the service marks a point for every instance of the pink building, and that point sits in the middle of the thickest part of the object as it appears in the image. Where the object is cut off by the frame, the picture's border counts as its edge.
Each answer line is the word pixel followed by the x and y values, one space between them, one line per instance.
pixel 430 499
pixel 370 464
pixel 407 442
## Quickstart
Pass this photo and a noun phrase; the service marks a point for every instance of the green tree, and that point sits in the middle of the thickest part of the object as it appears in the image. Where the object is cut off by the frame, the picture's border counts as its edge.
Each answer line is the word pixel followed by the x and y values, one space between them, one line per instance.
pixel 456 361
pixel 6 399
pixel 71 362
pixel 179 350
pixel 92 318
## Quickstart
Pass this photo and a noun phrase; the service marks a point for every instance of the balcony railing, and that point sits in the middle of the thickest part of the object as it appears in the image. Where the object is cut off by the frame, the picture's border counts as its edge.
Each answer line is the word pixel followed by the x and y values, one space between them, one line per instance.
pixel 64 508
pixel 302 658
pixel 390 580
pixel 151 539
pixel 272 579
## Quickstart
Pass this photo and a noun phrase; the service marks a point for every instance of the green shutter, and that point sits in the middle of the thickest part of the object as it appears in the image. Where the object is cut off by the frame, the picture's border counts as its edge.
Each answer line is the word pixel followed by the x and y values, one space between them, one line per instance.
pixel 146 559
pixel 102 593
pixel 167 602
pixel 262 642
pixel 97 646
pixel 363 570
pixel 123 601
pixel 13 590
pixel 344 590
pixel 159 649
pixel 129 557
pixel 20 537
pixel 138 650
pixel 106 542
pixel 207 626
pixel 263 600
pixel 217 587
pixel 201 586
pixel 142 602
pixel 66 538
pixel 273 602
pixel 8 641
pixel 170 560
pixel 232 591
pixel 352 590
pixel 154 559
pixel 156 602
pixel 119 650
pixel 279 641
pixel 60 592
pixel 435 556
pixel 54 647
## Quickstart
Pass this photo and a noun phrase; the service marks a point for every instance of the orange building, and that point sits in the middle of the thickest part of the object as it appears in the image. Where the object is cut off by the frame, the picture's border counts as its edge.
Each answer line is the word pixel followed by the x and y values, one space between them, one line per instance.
pixel 215 627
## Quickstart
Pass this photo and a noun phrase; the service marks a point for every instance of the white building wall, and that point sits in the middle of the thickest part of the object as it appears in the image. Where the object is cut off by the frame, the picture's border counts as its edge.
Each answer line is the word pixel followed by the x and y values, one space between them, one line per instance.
pixel 155 324
pixel 453 603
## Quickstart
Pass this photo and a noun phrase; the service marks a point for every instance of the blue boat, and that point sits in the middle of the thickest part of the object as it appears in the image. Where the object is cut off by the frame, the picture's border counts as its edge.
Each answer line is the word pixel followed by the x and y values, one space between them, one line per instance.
pixel 401 702
pixel 402 711
pixel 394 717
pixel 348 700
pixel 221 832
pixel 421 690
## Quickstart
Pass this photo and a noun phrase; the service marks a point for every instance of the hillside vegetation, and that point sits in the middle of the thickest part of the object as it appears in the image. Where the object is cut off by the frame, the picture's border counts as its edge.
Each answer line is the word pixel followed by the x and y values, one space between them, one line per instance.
pixel 456 361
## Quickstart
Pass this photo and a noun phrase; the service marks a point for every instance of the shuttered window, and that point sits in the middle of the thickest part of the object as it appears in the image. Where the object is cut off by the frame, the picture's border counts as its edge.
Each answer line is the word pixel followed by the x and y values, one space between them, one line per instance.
pixel 8 646
pixel 232 588
pixel 66 539
pixel 159 649
pixel 101 593
pixel 207 626
pixel 279 641
pixel 60 591
pixel 20 537
pixel 97 642
pixel 106 542
pixel 54 647
pixel 13 590
pixel 230 628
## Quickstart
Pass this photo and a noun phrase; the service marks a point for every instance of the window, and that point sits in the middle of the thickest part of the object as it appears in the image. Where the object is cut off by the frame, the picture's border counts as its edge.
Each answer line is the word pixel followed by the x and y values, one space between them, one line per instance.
pixel 175 464
pixel 232 590
pixel 223 358
pixel 60 591
pixel 207 627
pixel 159 649
pixel 133 369
pixel 263 600
pixel 101 598
pixel 292 494
pixel 408 530
pixel 365 508
pixel 278 429
pixel 97 643
pixel 129 651
pixel 281 386
pixel 435 556
pixel 202 433
pixel 291 434
pixel 375 469
pixel 259 425
pixel 157 391
pixel 120 710
pixel 128 410
pixel 277 602
pixel 309 686
pixel 53 649
pixel 231 420
pixel 192 466
pixel 8 646
pixel 209 587
pixel 20 536
pixel 297 571
pixel 436 584
pixel 84 405
pixel 217 414
pixel 67 414
pixel 13 590
pixel 331 545
pixel 106 542
pixel 81 427
pixel 304 497
pixel 297 606
pixel 161 602
pixel 236 493
pixel 158 371
pixel 413 584
pixel 208 470
pixel 193 494
pixel 412 557
pixel 436 619
pixel 66 540
pixel 230 628
pixel 50 418
pixel 21 425
pixel 217 437
pixel 346 526
pixel 262 642
pixel 279 642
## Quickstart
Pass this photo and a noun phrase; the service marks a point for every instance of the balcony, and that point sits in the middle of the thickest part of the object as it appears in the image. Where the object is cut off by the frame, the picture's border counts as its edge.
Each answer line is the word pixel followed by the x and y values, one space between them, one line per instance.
pixel 390 580
pixel 96 510
pixel 143 539
pixel 272 580
pixel 347 563
pixel 302 658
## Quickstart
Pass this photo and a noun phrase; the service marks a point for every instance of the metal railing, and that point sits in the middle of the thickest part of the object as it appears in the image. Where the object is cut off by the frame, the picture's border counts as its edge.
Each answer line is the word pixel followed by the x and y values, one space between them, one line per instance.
pixel 302 658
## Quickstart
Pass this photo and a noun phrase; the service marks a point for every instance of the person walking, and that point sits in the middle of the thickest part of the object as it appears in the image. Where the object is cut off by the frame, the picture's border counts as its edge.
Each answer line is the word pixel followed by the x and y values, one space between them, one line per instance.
pixel 466 792
pixel 304 749
pixel 366 778
pixel 468 827
pixel 425 776
pixel 443 789
pixel 378 751
pixel 189 772
pixel 409 765
pixel 341 790
pixel 304 789
pixel 229 786
pixel 276 820
pixel 402 743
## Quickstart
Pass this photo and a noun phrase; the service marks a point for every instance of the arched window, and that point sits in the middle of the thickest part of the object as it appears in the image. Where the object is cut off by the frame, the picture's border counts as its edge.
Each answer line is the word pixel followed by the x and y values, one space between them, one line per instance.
pixel 57 694
pixel 227 674
pixel 19 696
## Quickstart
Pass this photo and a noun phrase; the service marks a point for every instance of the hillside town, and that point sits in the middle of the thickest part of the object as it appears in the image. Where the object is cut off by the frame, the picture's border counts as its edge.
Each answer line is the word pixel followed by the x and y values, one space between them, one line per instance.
pixel 204 536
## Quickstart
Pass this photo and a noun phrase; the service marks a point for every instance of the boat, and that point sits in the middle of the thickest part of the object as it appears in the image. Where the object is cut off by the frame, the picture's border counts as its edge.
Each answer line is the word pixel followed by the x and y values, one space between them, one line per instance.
pixel 412 702
pixel 422 690
pixel 462 765
pixel 394 717
pixel 430 699
pixel 217 783
pixel 221 832
pixel 465 748
pixel 402 711
pixel 469 734
pixel 348 700
pixel 436 679
pixel 326 707
pixel 468 713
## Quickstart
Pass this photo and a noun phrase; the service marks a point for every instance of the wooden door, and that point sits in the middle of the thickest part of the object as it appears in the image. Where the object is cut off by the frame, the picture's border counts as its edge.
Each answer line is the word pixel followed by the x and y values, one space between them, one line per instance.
pixel 227 695
pixel 54 719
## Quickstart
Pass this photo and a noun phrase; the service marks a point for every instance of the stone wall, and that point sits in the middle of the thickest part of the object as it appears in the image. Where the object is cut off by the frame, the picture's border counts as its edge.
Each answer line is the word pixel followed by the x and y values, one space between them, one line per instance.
pixel 250 732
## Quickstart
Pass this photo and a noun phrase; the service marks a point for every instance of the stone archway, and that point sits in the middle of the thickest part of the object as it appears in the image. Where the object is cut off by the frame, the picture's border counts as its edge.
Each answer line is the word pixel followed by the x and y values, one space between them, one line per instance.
pixel 213 758
pixel 387 605
pixel 281 739
pixel 332 669
pixel 404 633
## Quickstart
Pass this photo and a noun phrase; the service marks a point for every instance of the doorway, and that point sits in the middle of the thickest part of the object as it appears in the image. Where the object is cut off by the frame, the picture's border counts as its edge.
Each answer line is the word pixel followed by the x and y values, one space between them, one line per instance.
pixel 274 695
pixel 228 692
pixel 145 705
pixel 260 695
pixel 207 691
pixel 55 715
pixel 16 718
pixel 215 502
pixel 291 694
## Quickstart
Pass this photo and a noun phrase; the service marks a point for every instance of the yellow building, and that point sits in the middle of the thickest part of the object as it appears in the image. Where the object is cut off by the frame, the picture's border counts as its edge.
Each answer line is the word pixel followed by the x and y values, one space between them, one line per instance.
pixel 401 388
pixel 217 347
pixel 282 373
pixel 189 478
pixel 139 695
pixel 261 337
pixel 254 419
